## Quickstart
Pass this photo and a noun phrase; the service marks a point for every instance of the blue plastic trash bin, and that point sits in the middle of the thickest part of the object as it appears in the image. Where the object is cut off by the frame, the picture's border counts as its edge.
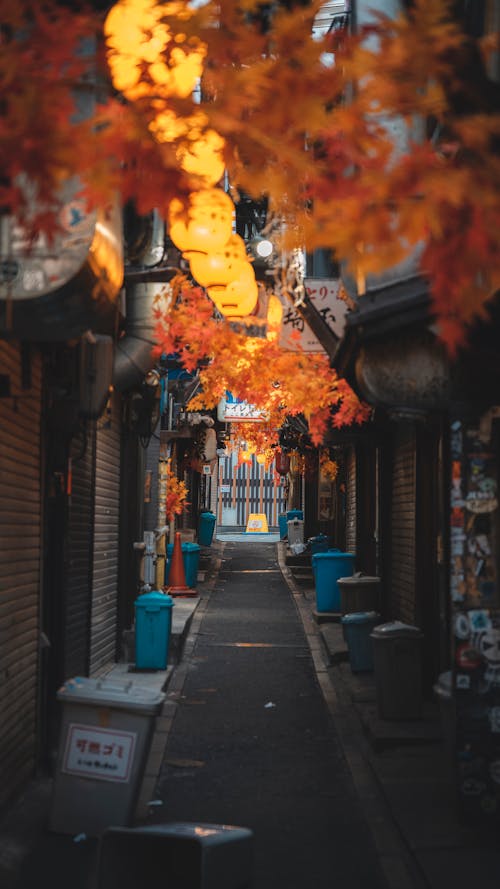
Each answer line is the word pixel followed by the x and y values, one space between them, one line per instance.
pixel 295 514
pixel 191 559
pixel 327 568
pixel 206 527
pixel 357 630
pixel 282 525
pixel 153 623
pixel 319 544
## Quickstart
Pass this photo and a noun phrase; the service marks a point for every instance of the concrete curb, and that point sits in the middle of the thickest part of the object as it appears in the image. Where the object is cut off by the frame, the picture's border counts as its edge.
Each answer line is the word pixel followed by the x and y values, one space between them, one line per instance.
pixel 399 867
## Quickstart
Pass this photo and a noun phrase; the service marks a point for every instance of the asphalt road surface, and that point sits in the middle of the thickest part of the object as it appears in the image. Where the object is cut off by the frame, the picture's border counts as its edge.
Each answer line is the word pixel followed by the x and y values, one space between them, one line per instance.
pixel 253 743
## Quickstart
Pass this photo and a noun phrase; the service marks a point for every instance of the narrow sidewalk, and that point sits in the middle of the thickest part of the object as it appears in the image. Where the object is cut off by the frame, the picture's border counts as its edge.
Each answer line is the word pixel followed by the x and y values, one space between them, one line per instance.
pixel 406 760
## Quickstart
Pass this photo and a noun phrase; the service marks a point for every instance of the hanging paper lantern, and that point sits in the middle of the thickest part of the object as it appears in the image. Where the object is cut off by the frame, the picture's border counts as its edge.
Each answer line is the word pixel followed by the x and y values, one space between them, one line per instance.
pixel 137 39
pixel 205 224
pixel 239 298
pixel 201 154
pixel 282 461
pixel 219 267
pixel 274 317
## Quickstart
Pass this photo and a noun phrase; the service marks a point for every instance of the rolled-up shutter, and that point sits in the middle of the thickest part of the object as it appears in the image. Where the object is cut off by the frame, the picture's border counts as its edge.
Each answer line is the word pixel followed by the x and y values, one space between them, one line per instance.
pixel 80 555
pixel 20 536
pixel 106 540
pixel 403 525
pixel 350 529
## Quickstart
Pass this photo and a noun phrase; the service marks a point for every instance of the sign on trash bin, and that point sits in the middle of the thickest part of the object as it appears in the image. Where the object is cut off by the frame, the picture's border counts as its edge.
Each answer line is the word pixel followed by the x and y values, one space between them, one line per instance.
pixel 106 731
pixel 99 753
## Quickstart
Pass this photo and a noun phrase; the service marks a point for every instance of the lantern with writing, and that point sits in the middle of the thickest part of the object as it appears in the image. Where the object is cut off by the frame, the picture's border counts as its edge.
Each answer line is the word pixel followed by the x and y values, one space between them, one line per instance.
pixel 219 267
pixel 282 462
pixel 205 224
pixel 239 298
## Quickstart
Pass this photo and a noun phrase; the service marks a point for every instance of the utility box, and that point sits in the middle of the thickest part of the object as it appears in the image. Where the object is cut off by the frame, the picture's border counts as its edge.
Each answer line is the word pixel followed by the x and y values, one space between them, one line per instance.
pixel 106 732
pixel 359 593
pixel 295 528
pixel 397 655
pixel 153 625
pixel 178 855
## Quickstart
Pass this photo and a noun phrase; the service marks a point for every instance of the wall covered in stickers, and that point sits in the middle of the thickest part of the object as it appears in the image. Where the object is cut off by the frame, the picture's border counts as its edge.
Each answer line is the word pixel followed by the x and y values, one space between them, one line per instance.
pixel 476 615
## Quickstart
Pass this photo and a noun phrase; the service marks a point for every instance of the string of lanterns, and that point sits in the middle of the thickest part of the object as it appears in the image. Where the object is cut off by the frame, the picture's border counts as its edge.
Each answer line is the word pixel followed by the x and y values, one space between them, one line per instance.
pixel 150 57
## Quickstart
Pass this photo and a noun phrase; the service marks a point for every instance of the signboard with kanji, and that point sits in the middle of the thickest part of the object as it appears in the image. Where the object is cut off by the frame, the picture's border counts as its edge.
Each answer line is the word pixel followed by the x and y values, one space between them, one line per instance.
pixel 324 295
pixel 232 410
pixel 99 753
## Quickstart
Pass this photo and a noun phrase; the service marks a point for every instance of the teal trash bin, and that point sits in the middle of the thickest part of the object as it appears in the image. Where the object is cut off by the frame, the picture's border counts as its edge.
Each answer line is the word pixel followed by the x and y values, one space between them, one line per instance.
pixel 282 525
pixel 295 514
pixel 357 630
pixel 319 544
pixel 191 559
pixel 206 527
pixel 328 568
pixel 153 623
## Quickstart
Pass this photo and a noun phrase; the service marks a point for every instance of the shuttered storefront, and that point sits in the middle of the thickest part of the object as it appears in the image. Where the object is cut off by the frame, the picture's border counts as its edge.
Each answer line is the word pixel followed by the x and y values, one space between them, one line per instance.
pixel 20 541
pixel 403 524
pixel 106 540
pixel 350 518
pixel 80 554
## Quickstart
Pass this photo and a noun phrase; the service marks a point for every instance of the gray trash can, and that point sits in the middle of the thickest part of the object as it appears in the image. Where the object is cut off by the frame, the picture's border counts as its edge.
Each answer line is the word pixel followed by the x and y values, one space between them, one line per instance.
pixel 106 732
pixel 359 593
pixel 178 854
pixel 397 657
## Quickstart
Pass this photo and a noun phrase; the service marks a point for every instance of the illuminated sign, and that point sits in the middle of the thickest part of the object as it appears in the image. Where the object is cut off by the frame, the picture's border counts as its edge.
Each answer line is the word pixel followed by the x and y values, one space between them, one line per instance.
pixel 234 410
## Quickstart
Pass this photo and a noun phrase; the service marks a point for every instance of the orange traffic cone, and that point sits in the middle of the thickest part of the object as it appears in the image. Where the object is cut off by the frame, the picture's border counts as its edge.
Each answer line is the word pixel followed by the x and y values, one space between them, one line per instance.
pixel 177 576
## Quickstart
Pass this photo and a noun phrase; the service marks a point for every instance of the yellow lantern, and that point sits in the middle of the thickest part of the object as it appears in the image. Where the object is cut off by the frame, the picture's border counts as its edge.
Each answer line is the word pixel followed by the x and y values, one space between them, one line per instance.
pixel 239 298
pixel 136 38
pixel 205 225
pixel 201 154
pixel 219 267
pixel 274 317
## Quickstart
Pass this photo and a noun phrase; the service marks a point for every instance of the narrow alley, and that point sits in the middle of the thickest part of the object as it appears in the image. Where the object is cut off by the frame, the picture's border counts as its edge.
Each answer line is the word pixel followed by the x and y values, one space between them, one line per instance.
pixel 252 743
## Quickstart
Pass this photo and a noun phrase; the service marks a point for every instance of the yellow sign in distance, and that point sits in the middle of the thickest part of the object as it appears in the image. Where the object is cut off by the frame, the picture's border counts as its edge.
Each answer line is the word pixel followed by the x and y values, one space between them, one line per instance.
pixel 257 523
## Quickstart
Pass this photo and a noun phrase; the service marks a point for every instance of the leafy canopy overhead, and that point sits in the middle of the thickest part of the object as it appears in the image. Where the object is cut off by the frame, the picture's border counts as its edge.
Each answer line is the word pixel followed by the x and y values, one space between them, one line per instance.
pixel 316 138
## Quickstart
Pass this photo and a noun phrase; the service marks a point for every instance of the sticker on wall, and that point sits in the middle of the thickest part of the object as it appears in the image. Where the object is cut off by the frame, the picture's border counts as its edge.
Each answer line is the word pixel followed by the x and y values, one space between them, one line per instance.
pixel 494 718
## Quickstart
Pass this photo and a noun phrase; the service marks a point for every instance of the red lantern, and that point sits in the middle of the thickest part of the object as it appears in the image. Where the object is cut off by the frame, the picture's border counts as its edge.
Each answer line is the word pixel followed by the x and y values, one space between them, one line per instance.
pixel 282 462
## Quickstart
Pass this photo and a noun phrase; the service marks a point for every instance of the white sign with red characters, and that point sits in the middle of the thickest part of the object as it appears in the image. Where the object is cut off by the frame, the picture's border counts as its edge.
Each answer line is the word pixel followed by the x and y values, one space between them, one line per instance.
pixel 99 753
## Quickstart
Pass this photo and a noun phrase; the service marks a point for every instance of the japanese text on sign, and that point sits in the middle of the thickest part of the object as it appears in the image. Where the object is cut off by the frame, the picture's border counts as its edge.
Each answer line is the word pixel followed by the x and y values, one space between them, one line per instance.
pixel 324 295
pixel 99 753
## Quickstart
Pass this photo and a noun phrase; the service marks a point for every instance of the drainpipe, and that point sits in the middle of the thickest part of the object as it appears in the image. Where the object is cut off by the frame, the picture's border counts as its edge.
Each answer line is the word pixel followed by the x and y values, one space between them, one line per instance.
pixel 133 355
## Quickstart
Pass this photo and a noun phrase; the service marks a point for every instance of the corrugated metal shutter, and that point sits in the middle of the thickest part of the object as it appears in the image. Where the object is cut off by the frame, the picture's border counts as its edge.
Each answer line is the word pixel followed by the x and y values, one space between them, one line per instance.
pixel 106 539
pixel 20 536
pixel 403 525
pixel 80 553
pixel 350 518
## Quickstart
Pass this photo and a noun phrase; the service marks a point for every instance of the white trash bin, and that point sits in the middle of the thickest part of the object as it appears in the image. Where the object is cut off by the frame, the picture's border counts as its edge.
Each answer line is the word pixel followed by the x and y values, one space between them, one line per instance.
pixel 106 733
pixel 295 528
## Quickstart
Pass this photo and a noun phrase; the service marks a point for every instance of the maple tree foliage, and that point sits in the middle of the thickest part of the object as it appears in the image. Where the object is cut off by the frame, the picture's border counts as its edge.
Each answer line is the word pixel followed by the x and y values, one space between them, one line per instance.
pixel 254 369
pixel 327 164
